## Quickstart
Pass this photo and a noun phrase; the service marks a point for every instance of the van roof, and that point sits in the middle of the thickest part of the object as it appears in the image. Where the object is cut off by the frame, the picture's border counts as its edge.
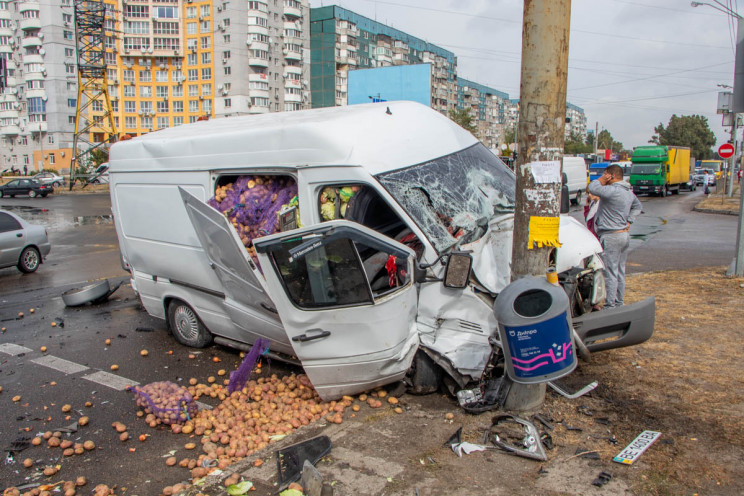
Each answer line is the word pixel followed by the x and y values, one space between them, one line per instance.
pixel 378 136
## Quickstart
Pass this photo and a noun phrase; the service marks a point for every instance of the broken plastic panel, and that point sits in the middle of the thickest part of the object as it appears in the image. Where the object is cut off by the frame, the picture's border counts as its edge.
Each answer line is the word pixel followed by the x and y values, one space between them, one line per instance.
pixel 290 460
pixel 517 436
pixel 452 198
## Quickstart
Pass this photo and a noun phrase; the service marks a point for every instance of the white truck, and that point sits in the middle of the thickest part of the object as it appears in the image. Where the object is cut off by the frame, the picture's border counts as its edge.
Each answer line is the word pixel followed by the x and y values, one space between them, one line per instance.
pixel 364 276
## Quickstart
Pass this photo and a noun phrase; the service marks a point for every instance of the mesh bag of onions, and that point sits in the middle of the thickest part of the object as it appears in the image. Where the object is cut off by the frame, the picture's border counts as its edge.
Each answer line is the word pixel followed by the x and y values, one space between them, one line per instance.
pixel 252 203
pixel 169 402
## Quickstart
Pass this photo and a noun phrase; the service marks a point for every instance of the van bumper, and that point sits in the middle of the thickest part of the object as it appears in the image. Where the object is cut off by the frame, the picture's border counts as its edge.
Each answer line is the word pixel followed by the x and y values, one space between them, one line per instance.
pixel 617 327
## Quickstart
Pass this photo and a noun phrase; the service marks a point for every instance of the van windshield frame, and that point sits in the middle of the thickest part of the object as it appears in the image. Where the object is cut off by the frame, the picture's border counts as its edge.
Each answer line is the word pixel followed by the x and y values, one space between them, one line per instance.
pixel 453 198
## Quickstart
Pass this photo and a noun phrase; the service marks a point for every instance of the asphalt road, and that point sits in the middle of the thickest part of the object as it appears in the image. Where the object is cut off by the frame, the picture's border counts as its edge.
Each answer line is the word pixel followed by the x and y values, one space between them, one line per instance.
pixel 75 367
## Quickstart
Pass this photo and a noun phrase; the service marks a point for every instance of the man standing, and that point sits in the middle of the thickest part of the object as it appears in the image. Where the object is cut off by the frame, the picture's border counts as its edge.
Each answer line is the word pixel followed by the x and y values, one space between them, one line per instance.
pixel 618 209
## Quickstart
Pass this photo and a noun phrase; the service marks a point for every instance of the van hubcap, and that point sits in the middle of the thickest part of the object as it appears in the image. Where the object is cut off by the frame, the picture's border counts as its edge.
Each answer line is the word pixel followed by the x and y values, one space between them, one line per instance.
pixel 185 322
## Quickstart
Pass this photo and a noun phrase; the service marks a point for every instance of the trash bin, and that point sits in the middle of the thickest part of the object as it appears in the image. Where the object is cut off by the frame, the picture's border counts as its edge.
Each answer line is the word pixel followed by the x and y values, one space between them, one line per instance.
pixel 534 325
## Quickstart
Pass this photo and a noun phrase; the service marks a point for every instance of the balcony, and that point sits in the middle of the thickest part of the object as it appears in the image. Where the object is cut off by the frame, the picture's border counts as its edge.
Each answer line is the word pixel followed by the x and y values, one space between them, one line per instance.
pixel 292 98
pixel 292 55
pixel 29 24
pixel 36 127
pixel 9 114
pixel 40 93
pixel 292 12
pixel 12 130
pixel 254 109
pixel 30 42
pixel 26 6
pixel 32 58
pixel 256 29
pixel 256 62
pixel 293 71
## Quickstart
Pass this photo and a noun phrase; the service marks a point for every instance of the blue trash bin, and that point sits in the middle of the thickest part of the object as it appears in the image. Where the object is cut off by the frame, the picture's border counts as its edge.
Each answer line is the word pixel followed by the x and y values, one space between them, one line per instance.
pixel 534 325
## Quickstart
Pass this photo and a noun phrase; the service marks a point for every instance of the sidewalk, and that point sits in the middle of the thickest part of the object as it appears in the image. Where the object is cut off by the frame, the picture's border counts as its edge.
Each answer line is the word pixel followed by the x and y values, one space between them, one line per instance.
pixel 719 203
pixel 686 383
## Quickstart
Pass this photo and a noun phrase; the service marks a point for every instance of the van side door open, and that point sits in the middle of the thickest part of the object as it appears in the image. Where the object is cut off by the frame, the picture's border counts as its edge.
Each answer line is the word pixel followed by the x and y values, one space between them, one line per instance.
pixel 352 329
pixel 246 302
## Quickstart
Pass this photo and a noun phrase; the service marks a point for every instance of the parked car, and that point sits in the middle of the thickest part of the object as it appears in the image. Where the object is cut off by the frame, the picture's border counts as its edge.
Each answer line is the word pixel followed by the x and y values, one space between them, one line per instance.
pixel 101 174
pixel 28 187
pixel 49 178
pixel 22 244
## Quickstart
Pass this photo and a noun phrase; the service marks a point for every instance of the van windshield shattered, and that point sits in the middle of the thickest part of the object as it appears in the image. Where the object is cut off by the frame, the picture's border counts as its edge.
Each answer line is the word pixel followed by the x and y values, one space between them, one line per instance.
pixel 452 198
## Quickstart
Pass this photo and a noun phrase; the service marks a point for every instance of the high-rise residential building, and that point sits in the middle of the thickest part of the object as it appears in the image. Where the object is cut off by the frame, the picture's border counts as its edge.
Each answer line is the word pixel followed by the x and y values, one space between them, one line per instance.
pixel 487 107
pixel 37 105
pixel 178 60
pixel 342 41
pixel 169 62
pixel 575 121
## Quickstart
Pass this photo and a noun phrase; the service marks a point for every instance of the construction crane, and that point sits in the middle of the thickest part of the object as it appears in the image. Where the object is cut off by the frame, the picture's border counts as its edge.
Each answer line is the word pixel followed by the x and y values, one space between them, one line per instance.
pixel 94 120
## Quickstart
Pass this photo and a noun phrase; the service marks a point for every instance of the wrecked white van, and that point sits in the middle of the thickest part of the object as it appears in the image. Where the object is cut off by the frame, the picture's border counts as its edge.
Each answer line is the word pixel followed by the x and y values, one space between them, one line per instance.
pixel 344 236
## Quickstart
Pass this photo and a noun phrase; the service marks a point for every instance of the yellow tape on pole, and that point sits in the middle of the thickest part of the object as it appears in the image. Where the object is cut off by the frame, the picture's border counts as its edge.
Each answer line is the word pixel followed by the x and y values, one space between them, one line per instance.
pixel 543 232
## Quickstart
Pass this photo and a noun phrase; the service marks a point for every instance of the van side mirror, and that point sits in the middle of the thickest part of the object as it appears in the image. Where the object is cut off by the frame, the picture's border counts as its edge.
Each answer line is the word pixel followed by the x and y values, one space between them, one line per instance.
pixel 457 272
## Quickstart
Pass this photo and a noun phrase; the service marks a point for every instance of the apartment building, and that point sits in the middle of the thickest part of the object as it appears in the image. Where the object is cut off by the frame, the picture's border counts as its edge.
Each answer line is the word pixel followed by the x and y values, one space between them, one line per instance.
pixel 575 121
pixel 37 105
pixel 342 41
pixel 487 106
pixel 175 61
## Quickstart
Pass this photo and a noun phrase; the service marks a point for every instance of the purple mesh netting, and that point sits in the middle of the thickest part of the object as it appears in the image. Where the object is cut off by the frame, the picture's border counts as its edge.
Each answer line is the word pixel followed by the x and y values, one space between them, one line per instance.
pixel 239 377
pixel 252 203
pixel 168 401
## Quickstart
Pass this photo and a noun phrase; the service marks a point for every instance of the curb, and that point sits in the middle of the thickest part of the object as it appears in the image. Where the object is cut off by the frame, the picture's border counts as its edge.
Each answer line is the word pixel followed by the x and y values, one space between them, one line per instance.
pixel 711 211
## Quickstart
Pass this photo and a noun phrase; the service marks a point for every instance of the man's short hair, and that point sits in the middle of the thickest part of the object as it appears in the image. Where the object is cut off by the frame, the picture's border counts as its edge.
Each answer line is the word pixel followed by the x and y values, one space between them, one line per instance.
pixel 615 170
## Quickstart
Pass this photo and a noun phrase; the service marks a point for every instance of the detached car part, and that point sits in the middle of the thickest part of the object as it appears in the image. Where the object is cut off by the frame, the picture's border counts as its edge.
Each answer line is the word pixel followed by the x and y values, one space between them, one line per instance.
pixel 93 293
pixel 503 435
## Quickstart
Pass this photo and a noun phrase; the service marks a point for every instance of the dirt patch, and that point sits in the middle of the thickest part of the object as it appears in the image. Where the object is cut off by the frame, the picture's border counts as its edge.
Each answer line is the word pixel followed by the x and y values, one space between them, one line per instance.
pixel 719 202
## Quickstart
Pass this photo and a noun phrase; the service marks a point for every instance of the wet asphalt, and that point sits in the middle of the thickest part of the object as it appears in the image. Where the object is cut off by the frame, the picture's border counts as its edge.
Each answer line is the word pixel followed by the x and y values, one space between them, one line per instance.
pixel 84 249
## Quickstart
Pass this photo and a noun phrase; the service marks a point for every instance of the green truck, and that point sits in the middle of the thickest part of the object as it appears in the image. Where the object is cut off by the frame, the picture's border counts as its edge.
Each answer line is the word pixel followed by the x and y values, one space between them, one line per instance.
pixel 659 170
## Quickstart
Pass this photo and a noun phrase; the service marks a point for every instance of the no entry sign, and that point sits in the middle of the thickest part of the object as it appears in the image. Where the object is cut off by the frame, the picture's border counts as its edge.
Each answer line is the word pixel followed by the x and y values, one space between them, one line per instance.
pixel 726 150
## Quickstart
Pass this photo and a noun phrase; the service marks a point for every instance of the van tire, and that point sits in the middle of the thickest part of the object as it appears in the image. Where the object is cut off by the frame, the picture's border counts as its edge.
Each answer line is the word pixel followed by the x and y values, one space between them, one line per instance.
pixel 577 200
pixel 425 376
pixel 186 326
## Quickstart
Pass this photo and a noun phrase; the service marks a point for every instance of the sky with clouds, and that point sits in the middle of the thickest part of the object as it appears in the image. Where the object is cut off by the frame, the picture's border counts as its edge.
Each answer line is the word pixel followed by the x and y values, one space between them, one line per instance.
pixel 632 63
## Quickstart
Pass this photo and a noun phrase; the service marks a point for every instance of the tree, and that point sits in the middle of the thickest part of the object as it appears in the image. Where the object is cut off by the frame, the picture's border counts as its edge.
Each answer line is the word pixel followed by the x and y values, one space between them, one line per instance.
pixel 463 119
pixel 574 145
pixel 510 136
pixel 99 156
pixel 605 141
pixel 687 130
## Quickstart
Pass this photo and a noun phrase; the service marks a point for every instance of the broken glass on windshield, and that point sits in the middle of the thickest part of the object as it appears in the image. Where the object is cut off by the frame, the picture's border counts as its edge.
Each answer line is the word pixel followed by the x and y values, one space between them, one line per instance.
pixel 453 198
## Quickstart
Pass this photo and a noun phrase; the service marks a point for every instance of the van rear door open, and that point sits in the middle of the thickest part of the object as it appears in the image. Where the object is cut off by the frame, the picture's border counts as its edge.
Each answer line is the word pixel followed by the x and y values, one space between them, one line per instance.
pixel 352 326
pixel 246 301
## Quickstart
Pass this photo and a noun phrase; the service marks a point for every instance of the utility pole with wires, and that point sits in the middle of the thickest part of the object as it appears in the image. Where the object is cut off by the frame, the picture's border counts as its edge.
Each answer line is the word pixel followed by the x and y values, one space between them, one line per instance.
pixel 94 120
pixel 542 116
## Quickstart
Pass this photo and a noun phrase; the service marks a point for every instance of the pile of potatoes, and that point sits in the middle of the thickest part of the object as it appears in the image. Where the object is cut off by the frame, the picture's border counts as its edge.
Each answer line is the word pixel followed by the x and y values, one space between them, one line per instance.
pixel 169 402
pixel 248 420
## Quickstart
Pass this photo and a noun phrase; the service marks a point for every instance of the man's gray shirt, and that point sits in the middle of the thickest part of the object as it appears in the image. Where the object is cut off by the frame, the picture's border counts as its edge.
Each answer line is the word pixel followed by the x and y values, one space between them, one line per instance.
pixel 618 206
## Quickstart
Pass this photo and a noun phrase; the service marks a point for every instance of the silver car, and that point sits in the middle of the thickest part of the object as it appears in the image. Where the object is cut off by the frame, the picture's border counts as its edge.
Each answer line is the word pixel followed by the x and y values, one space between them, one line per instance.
pixel 22 244
pixel 49 178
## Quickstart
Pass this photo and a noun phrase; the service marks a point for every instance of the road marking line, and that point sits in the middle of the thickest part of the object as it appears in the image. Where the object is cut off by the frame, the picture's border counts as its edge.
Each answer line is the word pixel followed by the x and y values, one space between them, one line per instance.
pixel 59 364
pixel 110 380
pixel 13 349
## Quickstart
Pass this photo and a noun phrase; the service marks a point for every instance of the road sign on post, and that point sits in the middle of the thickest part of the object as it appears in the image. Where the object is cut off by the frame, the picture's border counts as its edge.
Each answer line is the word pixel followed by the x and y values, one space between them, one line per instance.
pixel 726 150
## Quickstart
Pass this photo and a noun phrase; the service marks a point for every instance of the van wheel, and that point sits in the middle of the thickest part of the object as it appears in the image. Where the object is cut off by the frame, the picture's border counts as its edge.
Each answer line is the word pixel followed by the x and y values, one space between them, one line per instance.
pixel 186 326
pixel 577 201
pixel 29 260
pixel 425 376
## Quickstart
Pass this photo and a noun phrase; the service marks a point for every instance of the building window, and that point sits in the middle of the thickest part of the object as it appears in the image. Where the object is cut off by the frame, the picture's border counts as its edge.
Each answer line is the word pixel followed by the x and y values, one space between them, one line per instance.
pixel 130 122
pixel 36 106
pixel 177 120
pixel 161 91
pixel 146 107
pixel 129 91
pixel 206 90
pixel 206 58
pixel 226 54
pixel 206 73
pixel 69 52
pixel 177 90
pixel 71 102
pixel 178 106
pixel 137 27
pixel 191 28
pixel 193 90
pixel 69 69
pixel 193 106
pixel 23 140
pixel 207 106
pixel 162 122
pixel 226 38
pixel 145 91
pixel 51 139
pixel 162 106
pixel 146 122
pixel 130 107
pixel 164 13
pixel 193 74
pixel 161 76
pixel 204 11
pixel 71 119
pixel 145 76
pixel 204 27
pixel 165 28
pixel 96 106
pixel 206 42
pixel 127 75
pixel 191 59
pixel 67 35
pixel 52 159
pixel 141 11
pixel 228 103
pixel 228 71
pixel 190 12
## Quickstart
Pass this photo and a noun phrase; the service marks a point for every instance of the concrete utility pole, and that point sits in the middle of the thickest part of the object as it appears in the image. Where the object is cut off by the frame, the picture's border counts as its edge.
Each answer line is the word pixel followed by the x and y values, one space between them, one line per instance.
pixel 542 115
pixel 730 177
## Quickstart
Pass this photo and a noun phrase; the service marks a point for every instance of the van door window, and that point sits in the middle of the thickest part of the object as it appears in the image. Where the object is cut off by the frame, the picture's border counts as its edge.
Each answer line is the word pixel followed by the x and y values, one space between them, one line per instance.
pixel 341 272
pixel 362 204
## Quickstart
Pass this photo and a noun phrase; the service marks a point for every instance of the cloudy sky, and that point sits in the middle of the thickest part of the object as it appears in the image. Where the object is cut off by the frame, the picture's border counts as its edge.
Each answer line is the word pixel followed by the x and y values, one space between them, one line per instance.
pixel 632 63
